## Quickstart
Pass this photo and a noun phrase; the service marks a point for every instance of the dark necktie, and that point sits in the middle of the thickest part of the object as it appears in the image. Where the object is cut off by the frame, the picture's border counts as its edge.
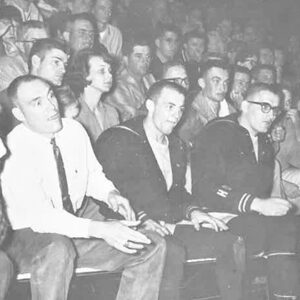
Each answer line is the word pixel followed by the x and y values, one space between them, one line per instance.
pixel 67 204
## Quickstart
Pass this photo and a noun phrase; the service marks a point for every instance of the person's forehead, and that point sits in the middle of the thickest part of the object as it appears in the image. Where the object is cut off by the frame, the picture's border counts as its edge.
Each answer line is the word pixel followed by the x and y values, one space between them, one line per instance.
pixel 141 49
pixel 176 71
pixel 241 76
pixel 82 24
pixel 27 91
pixel 196 41
pixel 170 35
pixel 266 96
pixel 266 72
pixel 169 95
pixel 97 62
pixel 105 3
pixel 56 53
pixel 218 72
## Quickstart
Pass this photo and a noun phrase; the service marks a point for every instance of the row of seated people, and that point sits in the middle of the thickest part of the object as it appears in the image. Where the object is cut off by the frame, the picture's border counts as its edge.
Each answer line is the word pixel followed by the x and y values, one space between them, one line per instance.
pixel 164 108
pixel 88 80
pixel 52 183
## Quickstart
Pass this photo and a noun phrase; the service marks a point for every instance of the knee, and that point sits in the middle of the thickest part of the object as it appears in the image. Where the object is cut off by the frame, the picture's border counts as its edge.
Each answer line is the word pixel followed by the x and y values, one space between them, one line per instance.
pixel 159 244
pixel 60 249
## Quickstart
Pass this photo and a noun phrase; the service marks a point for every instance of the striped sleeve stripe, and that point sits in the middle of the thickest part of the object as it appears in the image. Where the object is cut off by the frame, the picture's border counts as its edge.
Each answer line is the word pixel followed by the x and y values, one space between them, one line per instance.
pixel 244 202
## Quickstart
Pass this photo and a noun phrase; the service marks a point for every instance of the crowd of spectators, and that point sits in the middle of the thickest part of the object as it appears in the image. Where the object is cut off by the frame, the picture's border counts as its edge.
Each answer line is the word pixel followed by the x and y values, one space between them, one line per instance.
pixel 102 57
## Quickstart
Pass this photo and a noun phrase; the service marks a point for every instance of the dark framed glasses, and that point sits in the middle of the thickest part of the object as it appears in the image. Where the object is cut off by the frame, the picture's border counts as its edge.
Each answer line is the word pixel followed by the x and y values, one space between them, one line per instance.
pixel 266 107
pixel 180 81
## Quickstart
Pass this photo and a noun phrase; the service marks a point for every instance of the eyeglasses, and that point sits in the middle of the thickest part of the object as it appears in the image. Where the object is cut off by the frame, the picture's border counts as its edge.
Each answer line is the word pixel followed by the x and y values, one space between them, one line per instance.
pixel 181 81
pixel 266 107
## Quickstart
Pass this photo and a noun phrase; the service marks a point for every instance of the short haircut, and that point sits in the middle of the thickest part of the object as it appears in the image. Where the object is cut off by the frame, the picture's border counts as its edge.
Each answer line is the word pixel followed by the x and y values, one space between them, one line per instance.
pixel 214 63
pixel 79 68
pixel 82 16
pixel 162 28
pixel 172 64
pixel 10 12
pixel 42 46
pixel 240 69
pixel 194 34
pixel 258 68
pixel 135 39
pixel 13 88
pixel 32 24
pixel 156 89
pixel 258 87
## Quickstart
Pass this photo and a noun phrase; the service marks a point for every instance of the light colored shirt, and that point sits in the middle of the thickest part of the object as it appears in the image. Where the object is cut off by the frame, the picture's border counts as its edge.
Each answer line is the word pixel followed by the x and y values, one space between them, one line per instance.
pixel 112 39
pixel 32 13
pixel 162 155
pixel 30 183
pixel 224 109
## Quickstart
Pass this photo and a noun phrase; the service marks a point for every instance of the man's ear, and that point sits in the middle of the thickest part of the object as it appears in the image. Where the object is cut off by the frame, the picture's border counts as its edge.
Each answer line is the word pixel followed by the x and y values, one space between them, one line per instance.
pixel 201 83
pixel 18 114
pixel 66 36
pixel 35 61
pixel 244 106
pixel 149 105
pixel 125 60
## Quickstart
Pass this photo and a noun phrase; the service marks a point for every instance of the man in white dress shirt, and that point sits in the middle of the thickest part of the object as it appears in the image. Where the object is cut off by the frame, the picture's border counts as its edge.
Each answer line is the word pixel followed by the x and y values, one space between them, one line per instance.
pixel 47 236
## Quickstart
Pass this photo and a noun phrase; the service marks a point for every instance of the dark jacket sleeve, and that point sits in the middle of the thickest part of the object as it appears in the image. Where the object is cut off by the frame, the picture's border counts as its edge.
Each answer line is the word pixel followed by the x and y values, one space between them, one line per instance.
pixel 210 169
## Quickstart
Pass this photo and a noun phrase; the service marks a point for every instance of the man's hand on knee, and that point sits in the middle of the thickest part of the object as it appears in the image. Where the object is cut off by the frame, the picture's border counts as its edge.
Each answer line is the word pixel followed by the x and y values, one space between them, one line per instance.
pixel 119 235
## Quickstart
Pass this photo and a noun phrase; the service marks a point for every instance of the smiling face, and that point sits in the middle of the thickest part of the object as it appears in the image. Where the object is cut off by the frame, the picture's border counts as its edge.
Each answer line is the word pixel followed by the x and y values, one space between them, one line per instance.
pixel 38 107
pixel 100 74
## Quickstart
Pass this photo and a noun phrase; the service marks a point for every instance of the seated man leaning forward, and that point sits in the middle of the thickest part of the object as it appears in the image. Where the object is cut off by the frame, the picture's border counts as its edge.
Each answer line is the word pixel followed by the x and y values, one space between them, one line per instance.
pixel 147 163
pixel 50 171
pixel 232 170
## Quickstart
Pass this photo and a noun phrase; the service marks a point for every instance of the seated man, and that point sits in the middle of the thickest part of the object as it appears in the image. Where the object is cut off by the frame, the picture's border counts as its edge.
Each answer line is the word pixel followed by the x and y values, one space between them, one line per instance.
pixel 209 103
pixel 45 181
pixel 232 169
pixel 5 264
pixel 240 80
pixel 264 74
pixel 110 36
pixel 166 48
pixel 131 86
pixel 194 44
pixel 148 164
pixel 47 59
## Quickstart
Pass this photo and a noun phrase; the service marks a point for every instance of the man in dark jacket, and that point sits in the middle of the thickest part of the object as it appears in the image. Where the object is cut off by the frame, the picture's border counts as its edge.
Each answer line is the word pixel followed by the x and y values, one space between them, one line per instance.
pixel 148 164
pixel 232 170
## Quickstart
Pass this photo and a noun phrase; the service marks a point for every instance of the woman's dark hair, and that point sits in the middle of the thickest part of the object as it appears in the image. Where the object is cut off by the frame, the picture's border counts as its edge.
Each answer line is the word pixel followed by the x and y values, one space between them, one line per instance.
pixel 79 68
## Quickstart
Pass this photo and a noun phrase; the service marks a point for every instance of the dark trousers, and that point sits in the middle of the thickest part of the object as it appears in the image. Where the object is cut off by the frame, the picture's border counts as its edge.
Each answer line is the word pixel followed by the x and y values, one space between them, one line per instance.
pixel 6 274
pixel 51 258
pixel 187 243
pixel 277 237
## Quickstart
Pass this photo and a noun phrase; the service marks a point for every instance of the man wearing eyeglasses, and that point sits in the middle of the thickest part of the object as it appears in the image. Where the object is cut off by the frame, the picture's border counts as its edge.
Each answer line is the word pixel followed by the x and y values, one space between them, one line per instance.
pixel 232 171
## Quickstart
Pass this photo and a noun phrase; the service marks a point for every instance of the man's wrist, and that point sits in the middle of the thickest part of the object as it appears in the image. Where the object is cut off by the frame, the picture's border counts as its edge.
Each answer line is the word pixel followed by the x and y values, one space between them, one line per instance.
pixel 256 205
pixel 96 229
